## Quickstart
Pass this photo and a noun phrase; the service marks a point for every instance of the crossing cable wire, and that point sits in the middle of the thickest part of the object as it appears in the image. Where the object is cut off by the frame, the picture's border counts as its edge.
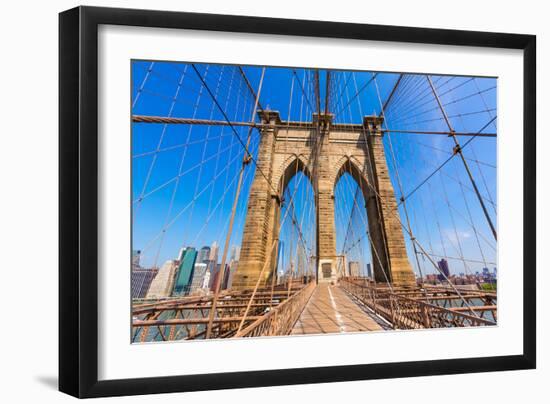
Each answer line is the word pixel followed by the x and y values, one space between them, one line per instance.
pixel 237 168
pixel 405 117
pixel 221 201
pixel 462 186
pixel 473 148
pixel 237 106
pixel 440 232
pixel 142 85
pixel 207 139
pixel 446 161
pixel 175 189
pixel 458 148
pixel 357 92
pixel 159 144
pixel 480 93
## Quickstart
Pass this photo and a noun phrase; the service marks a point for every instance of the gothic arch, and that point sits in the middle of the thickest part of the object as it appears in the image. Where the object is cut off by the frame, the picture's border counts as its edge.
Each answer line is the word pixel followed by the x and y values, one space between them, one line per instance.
pixel 293 164
pixel 357 170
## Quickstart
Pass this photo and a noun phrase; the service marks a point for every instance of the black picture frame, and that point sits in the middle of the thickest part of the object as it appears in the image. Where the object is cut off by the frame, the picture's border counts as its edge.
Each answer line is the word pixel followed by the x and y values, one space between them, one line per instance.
pixel 78 201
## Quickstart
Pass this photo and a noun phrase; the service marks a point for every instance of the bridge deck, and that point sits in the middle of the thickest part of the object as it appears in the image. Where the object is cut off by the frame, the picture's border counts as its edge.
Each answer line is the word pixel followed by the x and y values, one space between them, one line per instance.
pixel 331 310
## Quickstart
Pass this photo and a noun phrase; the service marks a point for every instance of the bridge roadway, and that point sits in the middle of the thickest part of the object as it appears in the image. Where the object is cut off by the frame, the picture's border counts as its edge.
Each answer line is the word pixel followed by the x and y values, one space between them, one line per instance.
pixel 331 310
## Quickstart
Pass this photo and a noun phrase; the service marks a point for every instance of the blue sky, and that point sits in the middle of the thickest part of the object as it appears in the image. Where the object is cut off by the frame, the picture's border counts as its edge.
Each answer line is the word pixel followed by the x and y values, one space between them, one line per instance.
pixel 184 176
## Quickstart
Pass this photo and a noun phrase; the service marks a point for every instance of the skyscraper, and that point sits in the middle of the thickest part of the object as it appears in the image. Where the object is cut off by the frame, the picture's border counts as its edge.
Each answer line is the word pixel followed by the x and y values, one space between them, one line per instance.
pixel 136 255
pixel 185 271
pixel 231 272
pixel 214 252
pixel 235 253
pixel 141 281
pixel 301 260
pixel 354 268
pixel 443 269
pixel 204 254
pixel 199 275
pixel 163 283
pixel 369 270
pixel 181 253
pixel 215 277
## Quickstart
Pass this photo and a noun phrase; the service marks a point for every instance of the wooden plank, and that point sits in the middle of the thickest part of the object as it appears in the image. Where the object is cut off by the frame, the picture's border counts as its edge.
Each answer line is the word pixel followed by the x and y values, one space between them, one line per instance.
pixel 331 310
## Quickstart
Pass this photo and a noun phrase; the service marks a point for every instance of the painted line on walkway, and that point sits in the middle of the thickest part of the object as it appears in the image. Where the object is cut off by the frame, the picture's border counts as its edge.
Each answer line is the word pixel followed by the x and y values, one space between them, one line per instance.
pixel 336 313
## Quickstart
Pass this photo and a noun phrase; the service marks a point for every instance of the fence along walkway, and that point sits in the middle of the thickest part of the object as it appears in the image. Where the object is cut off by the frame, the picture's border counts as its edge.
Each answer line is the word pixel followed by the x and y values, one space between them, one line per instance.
pixel 331 310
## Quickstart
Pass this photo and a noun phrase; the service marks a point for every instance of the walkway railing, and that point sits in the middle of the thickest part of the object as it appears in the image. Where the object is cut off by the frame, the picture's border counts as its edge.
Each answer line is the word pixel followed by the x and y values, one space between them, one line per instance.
pixel 410 313
pixel 281 319
pixel 187 317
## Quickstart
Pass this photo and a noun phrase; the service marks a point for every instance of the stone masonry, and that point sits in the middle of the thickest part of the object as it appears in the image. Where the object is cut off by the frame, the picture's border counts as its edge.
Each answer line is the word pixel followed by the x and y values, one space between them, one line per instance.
pixel 323 151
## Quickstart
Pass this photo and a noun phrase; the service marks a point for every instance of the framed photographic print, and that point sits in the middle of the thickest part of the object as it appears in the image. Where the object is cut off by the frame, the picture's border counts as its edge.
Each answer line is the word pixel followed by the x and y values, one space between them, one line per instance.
pixel 250 201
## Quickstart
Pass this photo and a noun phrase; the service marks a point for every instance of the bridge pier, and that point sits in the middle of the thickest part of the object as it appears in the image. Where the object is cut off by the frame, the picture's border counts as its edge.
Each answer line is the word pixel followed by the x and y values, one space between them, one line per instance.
pixel 390 260
pixel 332 151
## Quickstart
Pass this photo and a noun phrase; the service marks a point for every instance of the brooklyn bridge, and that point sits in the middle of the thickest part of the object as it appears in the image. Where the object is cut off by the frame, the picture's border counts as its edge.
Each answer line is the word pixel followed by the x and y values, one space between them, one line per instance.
pixel 327 201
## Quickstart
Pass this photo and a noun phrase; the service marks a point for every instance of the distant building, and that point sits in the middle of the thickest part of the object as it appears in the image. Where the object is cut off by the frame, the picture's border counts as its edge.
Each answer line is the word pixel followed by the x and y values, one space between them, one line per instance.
pixel 185 272
pixel 235 253
pixel 354 269
pixel 369 270
pixel 215 275
pixel 163 283
pixel 231 272
pixel 141 281
pixel 136 255
pixel 485 271
pixel 204 254
pixel 199 274
pixel 181 253
pixel 301 260
pixel 443 269
pixel 214 252
pixel 341 265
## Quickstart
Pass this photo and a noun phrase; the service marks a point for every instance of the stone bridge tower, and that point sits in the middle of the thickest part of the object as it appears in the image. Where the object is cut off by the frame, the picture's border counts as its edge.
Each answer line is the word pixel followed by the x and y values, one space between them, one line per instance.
pixel 323 151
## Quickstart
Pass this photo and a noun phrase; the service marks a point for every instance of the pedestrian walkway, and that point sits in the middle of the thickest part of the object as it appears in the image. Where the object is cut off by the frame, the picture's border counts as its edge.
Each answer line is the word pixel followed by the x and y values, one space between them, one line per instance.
pixel 331 310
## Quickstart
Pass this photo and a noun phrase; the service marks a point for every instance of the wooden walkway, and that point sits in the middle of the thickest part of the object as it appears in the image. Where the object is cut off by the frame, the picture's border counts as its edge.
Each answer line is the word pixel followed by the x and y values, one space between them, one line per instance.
pixel 331 310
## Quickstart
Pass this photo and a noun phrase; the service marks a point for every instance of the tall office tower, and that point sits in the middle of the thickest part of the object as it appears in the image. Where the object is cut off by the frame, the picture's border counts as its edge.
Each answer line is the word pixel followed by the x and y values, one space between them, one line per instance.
pixel 231 271
pixel 141 281
pixel 300 261
pixel 206 281
pixel 235 253
pixel 369 270
pixel 354 269
pixel 199 274
pixel 215 277
pixel 181 253
pixel 204 254
pixel 214 252
pixel 185 271
pixel 443 268
pixel 163 283
pixel 136 255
